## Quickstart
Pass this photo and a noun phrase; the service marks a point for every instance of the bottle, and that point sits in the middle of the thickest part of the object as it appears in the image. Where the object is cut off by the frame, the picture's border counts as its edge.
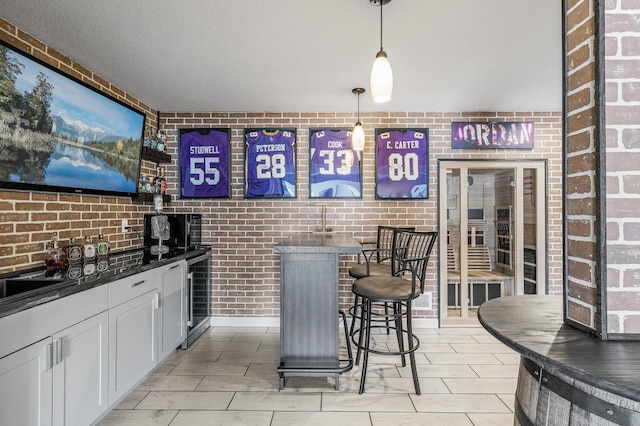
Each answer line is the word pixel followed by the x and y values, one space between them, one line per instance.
pixel 147 139
pixel 161 141
pixel 55 258
pixel 88 249
pixel 163 186
pixel 102 246
pixel 73 251
pixel 154 140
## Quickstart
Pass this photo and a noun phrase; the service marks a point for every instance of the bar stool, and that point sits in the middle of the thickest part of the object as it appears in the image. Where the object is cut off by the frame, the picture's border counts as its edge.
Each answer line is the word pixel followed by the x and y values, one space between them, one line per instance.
pixel 377 261
pixel 413 249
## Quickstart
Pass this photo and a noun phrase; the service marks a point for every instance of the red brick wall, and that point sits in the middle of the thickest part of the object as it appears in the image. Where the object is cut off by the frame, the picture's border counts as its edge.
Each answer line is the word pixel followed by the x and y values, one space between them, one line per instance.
pixel 581 169
pixel 29 219
pixel 243 232
pixel 622 59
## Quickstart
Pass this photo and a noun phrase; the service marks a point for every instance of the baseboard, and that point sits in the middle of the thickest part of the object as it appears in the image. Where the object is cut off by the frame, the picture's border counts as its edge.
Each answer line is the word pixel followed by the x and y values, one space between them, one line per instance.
pixel 275 322
pixel 245 321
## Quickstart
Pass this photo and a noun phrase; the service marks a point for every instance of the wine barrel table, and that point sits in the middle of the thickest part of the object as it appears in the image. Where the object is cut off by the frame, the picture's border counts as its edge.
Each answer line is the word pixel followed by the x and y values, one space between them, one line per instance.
pixel 566 376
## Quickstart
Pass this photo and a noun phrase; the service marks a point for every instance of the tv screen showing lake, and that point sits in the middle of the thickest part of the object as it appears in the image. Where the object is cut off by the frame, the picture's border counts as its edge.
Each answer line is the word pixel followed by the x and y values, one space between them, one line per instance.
pixel 58 134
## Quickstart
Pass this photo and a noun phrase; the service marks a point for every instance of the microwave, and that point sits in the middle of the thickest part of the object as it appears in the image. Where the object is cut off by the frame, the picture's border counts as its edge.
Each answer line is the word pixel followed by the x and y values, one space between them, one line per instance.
pixel 185 230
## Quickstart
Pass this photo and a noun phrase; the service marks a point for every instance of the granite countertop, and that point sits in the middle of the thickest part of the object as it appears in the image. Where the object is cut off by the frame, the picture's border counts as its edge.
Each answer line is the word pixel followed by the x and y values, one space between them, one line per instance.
pixel 534 326
pixel 319 243
pixel 80 277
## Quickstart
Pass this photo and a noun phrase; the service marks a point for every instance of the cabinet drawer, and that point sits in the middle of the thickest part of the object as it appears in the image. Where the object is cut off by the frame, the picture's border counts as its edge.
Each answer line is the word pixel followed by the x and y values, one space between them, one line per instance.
pixel 130 287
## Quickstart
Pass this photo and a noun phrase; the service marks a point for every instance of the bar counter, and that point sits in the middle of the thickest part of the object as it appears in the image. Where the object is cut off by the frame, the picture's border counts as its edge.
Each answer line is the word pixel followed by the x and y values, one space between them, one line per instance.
pixel 309 311
pixel 566 376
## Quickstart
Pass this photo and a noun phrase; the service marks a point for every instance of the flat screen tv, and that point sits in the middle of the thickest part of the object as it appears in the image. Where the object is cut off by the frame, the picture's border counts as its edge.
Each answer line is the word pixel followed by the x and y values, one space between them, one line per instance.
pixel 59 134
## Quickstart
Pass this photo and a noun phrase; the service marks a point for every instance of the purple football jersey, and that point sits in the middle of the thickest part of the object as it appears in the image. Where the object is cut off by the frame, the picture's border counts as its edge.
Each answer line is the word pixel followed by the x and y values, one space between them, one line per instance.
pixel 402 160
pixel 335 166
pixel 270 164
pixel 204 164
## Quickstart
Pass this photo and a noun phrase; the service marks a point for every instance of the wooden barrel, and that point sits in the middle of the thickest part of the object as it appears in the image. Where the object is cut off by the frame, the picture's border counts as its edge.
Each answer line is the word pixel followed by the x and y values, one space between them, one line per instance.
pixel 543 398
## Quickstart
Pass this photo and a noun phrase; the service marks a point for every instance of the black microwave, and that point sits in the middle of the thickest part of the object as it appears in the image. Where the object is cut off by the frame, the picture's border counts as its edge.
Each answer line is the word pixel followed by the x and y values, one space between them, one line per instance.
pixel 185 230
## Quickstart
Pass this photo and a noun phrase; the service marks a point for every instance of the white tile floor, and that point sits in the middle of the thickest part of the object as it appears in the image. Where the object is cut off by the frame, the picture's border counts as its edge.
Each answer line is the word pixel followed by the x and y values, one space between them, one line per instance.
pixel 228 377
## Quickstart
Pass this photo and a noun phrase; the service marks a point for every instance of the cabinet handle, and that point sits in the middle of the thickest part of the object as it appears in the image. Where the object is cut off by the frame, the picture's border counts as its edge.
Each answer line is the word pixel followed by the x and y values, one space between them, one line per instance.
pixel 156 301
pixel 174 267
pixel 138 283
pixel 49 356
pixel 57 359
pixel 190 299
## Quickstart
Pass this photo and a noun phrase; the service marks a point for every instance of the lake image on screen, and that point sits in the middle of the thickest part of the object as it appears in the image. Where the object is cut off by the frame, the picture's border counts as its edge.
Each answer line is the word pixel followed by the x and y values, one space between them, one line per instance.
pixel 73 166
pixel 56 132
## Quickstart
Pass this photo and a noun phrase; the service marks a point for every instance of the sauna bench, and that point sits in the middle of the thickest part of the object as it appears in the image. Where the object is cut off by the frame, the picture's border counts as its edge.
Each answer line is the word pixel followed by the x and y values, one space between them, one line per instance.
pixel 566 376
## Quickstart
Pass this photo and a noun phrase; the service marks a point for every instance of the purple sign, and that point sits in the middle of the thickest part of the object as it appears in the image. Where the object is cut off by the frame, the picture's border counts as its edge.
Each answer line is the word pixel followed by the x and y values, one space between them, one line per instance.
pixel 502 135
pixel 402 161
pixel 204 163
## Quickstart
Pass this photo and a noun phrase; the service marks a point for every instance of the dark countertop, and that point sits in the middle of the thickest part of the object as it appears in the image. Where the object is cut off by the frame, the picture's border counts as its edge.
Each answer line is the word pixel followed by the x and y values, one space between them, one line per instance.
pixel 534 326
pixel 80 277
pixel 319 243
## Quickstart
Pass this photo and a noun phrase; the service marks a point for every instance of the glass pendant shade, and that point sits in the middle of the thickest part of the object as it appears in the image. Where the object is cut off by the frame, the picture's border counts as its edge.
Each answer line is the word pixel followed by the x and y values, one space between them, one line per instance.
pixel 381 78
pixel 357 137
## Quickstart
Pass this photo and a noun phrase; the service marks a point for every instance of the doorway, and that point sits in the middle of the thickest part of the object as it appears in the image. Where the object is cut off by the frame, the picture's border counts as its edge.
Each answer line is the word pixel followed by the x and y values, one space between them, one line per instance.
pixel 492 221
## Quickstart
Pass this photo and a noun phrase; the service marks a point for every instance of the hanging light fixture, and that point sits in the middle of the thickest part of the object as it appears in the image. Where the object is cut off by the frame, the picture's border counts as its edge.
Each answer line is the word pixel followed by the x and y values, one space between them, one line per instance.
pixel 357 136
pixel 381 73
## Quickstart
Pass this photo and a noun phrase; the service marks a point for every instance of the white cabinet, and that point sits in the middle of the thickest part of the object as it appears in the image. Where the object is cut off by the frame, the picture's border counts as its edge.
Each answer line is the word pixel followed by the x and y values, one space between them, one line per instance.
pixel 26 386
pixel 172 315
pixel 132 332
pixel 68 361
pixel 80 372
pixel 61 380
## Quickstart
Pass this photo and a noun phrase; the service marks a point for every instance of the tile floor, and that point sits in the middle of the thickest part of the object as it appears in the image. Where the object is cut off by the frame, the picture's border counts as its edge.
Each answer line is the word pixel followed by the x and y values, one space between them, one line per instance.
pixel 228 377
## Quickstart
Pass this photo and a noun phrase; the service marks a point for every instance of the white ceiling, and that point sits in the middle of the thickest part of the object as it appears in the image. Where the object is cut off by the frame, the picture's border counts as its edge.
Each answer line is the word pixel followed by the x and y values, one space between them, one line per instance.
pixel 303 55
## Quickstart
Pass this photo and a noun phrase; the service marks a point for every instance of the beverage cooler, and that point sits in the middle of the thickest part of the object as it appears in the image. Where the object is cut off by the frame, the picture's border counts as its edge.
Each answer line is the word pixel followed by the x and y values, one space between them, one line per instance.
pixel 198 297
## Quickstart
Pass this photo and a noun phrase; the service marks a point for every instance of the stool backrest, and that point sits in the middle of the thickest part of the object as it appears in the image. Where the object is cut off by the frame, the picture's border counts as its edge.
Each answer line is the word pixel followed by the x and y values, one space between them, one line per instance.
pixel 386 240
pixel 413 250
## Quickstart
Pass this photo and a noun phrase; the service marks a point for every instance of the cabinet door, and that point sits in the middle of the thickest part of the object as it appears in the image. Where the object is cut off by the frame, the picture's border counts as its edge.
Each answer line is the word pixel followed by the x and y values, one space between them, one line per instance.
pixel 132 343
pixel 172 317
pixel 80 391
pixel 25 386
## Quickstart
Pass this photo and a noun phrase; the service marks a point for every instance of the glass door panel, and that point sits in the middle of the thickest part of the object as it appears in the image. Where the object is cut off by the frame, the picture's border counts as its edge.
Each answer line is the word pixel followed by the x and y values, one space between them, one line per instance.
pixel 495 233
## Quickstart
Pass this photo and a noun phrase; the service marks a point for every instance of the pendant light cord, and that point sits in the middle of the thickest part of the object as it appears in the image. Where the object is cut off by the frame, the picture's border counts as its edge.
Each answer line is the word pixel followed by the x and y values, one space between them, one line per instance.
pixel 381 3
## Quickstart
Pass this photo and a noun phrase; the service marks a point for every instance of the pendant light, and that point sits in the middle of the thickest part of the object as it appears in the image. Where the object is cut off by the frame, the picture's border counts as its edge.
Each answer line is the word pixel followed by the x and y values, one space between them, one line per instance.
pixel 357 136
pixel 381 73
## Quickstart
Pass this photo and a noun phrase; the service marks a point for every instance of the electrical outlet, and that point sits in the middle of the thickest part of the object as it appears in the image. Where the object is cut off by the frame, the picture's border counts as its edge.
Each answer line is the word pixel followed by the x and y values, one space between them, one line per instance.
pixel 125 225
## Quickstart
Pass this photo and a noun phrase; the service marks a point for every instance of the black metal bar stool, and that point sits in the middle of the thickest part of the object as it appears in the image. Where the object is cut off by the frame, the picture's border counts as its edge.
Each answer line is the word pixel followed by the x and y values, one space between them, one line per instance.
pixel 413 249
pixel 377 261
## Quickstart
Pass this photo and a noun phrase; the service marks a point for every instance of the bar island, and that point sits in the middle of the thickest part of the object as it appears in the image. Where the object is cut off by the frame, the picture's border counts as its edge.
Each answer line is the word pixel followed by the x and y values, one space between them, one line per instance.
pixel 309 311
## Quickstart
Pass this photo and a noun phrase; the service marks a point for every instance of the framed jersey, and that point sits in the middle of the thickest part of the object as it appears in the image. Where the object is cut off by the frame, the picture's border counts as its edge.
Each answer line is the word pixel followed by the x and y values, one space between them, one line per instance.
pixel 335 169
pixel 205 158
pixel 270 163
pixel 402 162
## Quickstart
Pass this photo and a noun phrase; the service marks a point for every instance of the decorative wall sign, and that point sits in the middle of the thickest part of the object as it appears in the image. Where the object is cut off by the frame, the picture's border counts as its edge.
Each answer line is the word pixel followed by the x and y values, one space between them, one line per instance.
pixel 205 157
pixel 270 163
pixel 402 163
pixel 335 169
pixel 501 135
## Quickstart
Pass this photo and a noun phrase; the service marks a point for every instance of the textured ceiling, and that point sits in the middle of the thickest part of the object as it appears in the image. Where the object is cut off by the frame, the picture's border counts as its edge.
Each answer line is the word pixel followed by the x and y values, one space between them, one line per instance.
pixel 303 55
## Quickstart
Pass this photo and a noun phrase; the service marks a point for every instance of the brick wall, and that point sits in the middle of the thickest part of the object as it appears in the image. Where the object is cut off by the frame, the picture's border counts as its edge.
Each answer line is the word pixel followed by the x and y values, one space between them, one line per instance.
pixel 243 232
pixel 29 219
pixel 581 165
pixel 622 108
